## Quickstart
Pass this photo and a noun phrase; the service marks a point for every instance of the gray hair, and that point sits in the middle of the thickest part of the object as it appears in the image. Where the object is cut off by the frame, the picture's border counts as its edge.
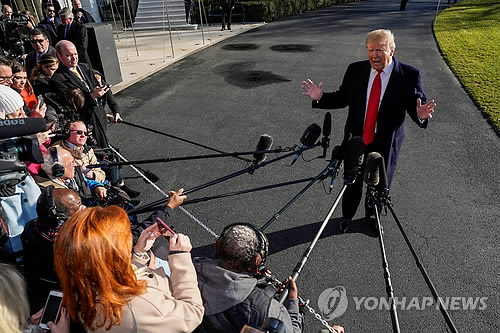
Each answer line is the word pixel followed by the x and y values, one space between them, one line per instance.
pixel 66 12
pixel 382 36
pixel 239 245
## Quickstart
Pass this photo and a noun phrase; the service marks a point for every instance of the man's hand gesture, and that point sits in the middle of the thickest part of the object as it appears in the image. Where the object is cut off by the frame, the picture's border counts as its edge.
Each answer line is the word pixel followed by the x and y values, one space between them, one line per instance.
pixel 313 91
pixel 425 111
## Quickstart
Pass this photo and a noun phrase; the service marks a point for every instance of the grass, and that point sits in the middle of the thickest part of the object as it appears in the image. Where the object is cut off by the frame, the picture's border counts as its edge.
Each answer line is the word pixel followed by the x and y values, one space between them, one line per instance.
pixel 468 35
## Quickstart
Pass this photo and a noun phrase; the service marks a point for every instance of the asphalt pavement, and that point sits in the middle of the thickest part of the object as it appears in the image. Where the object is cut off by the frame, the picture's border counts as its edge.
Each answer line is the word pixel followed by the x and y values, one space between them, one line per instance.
pixel 446 191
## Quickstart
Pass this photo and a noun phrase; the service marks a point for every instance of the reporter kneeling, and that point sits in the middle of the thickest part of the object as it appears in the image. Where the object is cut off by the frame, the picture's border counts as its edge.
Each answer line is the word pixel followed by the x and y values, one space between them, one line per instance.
pixel 105 291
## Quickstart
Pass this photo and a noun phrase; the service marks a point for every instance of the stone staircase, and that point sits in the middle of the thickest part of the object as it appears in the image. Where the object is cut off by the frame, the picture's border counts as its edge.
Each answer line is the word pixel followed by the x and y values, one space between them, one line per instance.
pixel 151 15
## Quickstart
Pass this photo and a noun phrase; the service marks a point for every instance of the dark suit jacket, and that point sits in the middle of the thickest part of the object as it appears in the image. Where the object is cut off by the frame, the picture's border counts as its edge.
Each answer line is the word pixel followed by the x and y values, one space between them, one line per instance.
pixel 93 113
pixel 87 18
pixel 77 34
pixel 31 59
pixel 400 98
pixel 51 29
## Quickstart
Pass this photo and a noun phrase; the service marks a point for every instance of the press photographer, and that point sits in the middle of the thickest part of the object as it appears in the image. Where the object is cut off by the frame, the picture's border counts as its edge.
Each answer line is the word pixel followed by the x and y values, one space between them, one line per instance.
pixel 18 191
pixel 232 295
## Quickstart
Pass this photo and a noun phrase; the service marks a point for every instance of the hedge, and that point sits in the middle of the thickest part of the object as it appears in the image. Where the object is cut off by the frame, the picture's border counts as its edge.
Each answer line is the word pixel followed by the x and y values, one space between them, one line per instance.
pixel 270 10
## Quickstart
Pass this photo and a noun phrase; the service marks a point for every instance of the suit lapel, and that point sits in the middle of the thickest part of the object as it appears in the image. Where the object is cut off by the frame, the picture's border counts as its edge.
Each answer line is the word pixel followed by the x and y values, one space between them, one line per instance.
pixel 74 80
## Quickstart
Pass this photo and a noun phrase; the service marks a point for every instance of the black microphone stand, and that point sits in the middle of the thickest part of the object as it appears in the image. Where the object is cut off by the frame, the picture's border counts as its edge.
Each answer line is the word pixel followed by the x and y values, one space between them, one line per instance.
pixel 251 168
pixel 332 167
pixel 385 200
pixel 188 158
pixel 308 251
pixel 230 194
pixel 372 201
pixel 179 138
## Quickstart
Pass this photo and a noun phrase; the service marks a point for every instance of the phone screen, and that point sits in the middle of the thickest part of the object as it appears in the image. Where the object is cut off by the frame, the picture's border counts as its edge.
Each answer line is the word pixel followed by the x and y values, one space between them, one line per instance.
pixel 51 309
pixel 163 227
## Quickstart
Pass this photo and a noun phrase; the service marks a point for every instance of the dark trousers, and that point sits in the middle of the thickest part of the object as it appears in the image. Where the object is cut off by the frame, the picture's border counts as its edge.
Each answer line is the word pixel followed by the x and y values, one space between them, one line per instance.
pixel 227 12
pixel 354 192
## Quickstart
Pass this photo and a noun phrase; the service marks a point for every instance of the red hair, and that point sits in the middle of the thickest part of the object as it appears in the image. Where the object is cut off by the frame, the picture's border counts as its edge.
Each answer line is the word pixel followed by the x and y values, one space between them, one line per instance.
pixel 92 257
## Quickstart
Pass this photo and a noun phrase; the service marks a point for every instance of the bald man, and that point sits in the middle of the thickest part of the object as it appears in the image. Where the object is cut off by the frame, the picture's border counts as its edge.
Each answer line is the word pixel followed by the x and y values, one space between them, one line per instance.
pixel 58 170
pixel 73 74
pixel 54 207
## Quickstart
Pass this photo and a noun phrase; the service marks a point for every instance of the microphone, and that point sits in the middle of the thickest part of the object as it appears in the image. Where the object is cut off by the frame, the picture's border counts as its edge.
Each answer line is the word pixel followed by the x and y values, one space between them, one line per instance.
pixel 10 128
pixel 265 143
pixel 383 184
pixel 327 130
pixel 337 154
pixel 372 169
pixel 355 149
pixel 308 139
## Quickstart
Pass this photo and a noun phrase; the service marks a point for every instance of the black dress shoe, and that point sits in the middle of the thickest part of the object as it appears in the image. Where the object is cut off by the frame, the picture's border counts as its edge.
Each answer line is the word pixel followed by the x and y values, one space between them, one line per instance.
pixel 228 27
pixel 223 28
pixel 372 222
pixel 130 192
pixel 344 225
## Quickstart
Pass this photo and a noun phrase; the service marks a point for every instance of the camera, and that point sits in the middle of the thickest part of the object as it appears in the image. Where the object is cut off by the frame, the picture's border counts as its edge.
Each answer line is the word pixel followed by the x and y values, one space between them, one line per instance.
pixel 16 35
pixel 20 146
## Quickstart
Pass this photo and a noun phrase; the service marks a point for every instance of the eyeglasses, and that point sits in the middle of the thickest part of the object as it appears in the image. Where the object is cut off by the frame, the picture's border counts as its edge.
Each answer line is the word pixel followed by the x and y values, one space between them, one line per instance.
pixel 37 41
pixel 51 11
pixel 79 132
pixel 5 78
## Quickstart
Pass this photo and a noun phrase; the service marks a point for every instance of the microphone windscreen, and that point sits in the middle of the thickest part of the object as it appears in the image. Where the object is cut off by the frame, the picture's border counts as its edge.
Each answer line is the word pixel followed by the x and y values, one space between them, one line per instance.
pixel 265 143
pixel 10 128
pixel 355 150
pixel 311 135
pixel 337 153
pixel 382 173
pixel 327 124
pixel 372 168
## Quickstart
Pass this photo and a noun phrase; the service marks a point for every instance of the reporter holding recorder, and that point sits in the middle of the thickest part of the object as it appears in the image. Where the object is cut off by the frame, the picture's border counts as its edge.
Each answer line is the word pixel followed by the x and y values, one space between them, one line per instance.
pixel 107 292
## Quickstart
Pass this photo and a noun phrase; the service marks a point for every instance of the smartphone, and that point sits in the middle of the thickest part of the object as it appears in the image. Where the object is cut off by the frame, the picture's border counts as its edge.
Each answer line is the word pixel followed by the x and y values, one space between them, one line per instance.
pixel 52 308
pixel 163 227
pixel 40 101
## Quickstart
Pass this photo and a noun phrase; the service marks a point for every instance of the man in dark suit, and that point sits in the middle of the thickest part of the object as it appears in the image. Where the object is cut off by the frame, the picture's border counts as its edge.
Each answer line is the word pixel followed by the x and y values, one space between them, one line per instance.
pixel 50 22
pixel 75 33
pixel 54 3
pixel 379 92
pixel 40 41
pixel 72 74
pixel 85 15
pixel 227 13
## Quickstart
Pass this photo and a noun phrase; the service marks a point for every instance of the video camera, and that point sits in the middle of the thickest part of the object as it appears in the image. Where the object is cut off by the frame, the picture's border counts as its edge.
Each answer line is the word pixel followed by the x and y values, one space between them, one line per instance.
pixel 18 144
pixel 16 34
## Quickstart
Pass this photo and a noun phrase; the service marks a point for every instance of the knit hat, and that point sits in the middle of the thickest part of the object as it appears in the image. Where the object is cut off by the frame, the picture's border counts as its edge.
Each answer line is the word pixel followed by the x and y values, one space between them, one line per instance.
pixel 10 100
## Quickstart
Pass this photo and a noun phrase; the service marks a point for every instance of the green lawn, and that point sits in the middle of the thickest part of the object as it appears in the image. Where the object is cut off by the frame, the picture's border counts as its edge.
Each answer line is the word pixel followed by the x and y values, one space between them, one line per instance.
pixel 468 35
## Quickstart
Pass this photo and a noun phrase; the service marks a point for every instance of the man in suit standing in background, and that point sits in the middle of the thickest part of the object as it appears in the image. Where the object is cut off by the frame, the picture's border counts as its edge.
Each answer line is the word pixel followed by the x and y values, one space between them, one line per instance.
pixel 75 33
pixel 50 22
pixel 73 74
pixel 379 92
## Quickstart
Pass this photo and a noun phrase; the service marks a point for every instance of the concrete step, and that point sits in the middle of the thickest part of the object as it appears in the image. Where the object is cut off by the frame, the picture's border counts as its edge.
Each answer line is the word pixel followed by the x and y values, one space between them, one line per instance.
pixel 160 17
pixel 174 27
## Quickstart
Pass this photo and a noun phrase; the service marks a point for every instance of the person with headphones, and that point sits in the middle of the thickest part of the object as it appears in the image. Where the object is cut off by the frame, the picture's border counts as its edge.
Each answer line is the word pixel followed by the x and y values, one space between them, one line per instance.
pixel 54 207
pixel 59 170
pixel 231 294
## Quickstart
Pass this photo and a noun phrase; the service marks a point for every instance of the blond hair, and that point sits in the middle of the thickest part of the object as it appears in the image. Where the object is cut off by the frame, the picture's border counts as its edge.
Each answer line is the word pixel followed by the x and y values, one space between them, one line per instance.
pixel 14 306
pixel 382 36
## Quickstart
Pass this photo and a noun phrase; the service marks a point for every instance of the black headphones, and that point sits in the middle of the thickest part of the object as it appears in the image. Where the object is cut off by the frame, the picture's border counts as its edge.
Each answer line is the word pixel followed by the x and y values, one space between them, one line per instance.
pixel 263 246
pixel 57 168
pixel 55 218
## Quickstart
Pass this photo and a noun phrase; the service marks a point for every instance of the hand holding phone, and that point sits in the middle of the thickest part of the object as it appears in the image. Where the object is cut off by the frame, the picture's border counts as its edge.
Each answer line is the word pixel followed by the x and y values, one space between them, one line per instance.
pixel 52 308
pixel 163 227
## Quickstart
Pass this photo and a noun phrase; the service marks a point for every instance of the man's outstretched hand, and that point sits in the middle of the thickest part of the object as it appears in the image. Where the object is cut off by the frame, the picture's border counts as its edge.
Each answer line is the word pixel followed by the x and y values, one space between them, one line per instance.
pixel 425 111
pixel 311 90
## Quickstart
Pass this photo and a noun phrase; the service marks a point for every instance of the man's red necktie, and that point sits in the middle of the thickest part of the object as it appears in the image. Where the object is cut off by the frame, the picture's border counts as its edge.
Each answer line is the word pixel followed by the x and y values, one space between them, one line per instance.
pixel 372 110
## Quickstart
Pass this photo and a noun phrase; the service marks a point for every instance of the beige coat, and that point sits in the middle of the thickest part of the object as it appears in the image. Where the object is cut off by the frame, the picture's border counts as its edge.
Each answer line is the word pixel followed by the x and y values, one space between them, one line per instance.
pixel 82 158
pixel 158 310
